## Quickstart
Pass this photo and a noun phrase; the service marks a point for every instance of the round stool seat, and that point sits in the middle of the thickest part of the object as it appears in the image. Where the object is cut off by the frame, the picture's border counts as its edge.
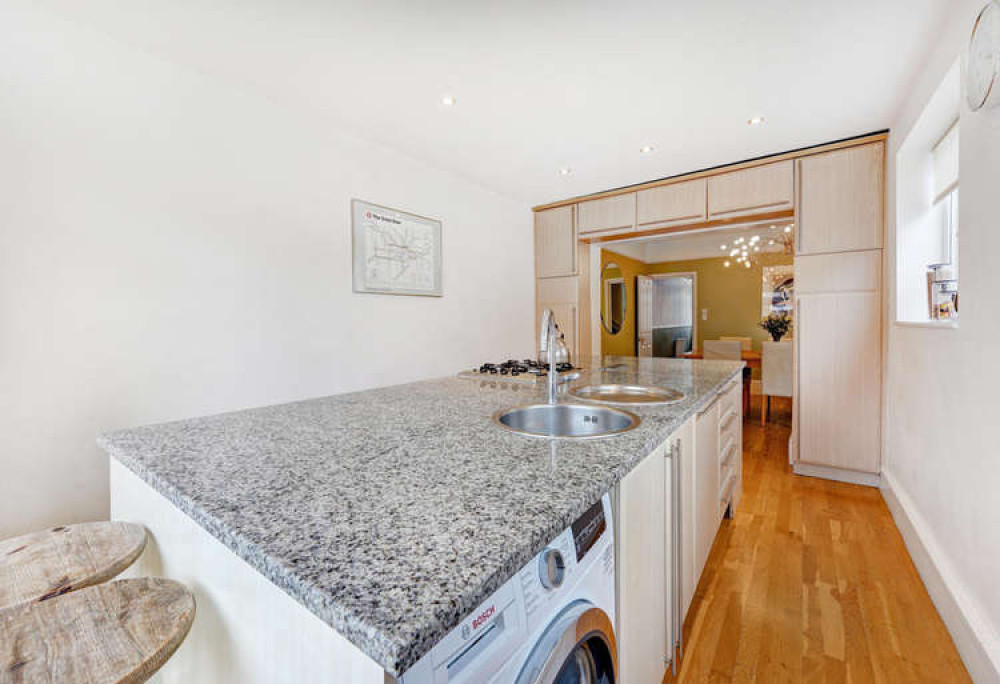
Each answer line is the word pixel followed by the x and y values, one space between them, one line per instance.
pixel 42 565
pixel 116 633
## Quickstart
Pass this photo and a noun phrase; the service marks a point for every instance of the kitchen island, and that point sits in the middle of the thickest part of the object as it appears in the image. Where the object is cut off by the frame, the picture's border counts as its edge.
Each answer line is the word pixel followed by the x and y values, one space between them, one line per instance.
pixel 386 515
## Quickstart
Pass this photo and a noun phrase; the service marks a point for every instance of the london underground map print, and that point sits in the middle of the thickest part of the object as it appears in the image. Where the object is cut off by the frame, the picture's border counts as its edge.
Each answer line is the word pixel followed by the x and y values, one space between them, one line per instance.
pixel 395 252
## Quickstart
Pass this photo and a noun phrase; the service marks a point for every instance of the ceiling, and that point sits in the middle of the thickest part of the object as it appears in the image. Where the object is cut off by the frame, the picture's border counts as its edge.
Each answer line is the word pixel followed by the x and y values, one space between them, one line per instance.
pixel 702 244
pixel 546 85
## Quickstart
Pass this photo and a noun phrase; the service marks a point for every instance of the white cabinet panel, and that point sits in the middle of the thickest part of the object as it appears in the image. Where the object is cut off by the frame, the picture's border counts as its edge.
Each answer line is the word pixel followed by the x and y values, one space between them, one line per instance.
pixel 838 333
pixel 676 203
pixel 643 568
pixel 706 476
pixel 608 214
pixel 769 187
pixel 561 295
pixel 555 243
pixel 841 200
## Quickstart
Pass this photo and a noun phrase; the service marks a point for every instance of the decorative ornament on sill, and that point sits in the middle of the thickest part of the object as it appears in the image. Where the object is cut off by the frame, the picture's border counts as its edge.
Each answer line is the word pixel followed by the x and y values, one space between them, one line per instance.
pixel 745 250
pixel 982 87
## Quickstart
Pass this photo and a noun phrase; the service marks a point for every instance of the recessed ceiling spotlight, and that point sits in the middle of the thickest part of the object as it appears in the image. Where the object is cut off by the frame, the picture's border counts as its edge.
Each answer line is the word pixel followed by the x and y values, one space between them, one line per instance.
pixel 755 121
pixel 565 171
pixel 788 229
pixel 449 100
pixel 645 149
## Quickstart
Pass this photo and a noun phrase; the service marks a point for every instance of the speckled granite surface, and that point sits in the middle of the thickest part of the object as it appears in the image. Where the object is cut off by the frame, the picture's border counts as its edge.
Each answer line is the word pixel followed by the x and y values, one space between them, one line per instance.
pixel 392 513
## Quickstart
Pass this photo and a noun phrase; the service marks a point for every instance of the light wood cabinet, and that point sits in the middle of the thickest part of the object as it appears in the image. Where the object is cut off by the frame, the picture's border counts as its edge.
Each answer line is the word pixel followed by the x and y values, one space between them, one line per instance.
pixel 606 215
pixel 838 338
pixel 770 187
pixel 555 243
pixel 841 200
pixel 561 295
pixel 644 641
pixel 672 204
pixel 706 484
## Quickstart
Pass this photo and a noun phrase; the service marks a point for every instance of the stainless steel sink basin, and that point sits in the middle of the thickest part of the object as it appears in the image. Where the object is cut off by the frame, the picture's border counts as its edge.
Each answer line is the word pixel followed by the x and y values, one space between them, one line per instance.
pixel 626 394
pixel 573 421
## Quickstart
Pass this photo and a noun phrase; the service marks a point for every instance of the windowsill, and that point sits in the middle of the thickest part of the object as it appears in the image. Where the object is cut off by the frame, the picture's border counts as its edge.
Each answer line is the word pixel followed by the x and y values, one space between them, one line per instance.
pixel 940 325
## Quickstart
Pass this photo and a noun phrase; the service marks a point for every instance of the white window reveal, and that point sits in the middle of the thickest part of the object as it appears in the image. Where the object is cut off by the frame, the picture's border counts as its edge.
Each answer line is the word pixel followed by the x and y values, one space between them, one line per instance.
pixel 942 276
pixel 927 216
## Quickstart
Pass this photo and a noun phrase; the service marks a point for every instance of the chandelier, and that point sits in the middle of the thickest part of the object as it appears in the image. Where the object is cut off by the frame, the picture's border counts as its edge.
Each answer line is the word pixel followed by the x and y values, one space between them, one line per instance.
pixel 745 250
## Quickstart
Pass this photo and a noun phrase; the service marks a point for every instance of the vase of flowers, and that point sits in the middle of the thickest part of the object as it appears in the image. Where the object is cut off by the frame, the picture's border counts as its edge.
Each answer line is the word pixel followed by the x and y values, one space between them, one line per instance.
pixel 777 325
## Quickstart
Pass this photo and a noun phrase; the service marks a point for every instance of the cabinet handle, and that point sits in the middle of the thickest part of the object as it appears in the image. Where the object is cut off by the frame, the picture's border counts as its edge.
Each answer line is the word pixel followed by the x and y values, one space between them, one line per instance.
pixel 728 419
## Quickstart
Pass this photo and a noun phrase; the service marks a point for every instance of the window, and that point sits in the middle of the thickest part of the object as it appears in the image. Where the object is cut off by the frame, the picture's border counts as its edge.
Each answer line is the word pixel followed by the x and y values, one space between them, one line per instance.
pixel 942 276
pixel 927 217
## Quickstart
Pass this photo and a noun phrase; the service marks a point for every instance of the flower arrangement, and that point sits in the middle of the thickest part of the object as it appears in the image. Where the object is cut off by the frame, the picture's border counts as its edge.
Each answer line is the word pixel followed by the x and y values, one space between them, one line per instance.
pixel 777 325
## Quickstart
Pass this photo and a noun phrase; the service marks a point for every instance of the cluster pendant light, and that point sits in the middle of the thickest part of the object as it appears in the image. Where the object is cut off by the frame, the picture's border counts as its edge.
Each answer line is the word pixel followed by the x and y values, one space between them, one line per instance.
pixel 745 250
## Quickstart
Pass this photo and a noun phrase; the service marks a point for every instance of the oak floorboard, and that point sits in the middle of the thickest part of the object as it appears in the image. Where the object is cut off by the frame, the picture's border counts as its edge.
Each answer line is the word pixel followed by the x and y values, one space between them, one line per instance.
pixel 810 582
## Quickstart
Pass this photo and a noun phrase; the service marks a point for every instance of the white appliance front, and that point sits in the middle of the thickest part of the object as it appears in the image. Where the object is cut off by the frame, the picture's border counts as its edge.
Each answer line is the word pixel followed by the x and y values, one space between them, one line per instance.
pixel 552 623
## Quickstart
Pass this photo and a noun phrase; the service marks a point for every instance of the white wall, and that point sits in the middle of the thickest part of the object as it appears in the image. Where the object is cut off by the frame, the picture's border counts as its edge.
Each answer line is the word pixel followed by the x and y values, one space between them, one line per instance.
pixel 173 245
pixel 942 434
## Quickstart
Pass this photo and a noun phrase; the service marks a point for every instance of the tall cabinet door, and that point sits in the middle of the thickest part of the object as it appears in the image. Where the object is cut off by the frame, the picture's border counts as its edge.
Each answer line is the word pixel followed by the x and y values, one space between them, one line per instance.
pixel 561 296
pixel 840 200
pixel 643 603
pixel 555 243
pixel 838 332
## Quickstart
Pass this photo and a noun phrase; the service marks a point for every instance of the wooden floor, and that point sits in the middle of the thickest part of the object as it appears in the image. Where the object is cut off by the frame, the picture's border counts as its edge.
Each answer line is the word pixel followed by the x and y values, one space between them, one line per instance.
pixel 811 582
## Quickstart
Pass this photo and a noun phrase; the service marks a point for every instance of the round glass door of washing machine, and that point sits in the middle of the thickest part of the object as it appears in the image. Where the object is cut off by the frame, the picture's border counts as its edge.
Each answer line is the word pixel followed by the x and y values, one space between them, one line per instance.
pixel 578 647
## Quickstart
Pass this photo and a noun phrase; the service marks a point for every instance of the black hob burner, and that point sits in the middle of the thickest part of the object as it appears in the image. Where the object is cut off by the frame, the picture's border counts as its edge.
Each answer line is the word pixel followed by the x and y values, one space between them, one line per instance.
pixel 513 368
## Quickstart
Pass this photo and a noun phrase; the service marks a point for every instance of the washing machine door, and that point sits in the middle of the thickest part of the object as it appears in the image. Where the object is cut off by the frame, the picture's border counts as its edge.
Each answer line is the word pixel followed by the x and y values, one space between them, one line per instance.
pixel 578 647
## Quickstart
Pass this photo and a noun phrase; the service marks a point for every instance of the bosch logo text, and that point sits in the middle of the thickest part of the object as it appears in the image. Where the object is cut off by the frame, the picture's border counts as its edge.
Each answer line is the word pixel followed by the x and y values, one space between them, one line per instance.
pixel 478 621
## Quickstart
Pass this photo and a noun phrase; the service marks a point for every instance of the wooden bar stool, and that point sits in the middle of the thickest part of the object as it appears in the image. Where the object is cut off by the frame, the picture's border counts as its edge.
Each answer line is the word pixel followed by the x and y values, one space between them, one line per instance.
pixel 43 565
pixel 121 632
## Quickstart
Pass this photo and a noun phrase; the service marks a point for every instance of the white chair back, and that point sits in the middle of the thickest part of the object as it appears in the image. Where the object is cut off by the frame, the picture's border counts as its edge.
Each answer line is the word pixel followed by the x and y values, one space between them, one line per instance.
pixel 776 369
pixel 729 350
pixel 746 342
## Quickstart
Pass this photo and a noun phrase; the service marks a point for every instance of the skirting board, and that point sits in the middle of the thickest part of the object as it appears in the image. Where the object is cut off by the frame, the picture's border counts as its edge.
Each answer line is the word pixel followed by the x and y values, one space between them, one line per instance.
pixel 972 635
pixel 838 474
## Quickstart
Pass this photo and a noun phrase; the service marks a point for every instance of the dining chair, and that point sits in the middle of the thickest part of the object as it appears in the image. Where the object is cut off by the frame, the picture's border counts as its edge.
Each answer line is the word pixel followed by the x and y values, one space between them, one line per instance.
pixel 776 374
pixel 745 342
pixel 729 350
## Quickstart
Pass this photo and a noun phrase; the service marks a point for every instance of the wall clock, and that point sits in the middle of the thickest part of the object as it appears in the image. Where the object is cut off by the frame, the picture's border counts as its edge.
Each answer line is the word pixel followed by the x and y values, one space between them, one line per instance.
pixel 983 78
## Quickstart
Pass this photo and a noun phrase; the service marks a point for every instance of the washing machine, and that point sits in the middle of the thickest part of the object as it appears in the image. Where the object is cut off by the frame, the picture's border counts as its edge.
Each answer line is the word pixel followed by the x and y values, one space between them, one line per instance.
pixel 551 623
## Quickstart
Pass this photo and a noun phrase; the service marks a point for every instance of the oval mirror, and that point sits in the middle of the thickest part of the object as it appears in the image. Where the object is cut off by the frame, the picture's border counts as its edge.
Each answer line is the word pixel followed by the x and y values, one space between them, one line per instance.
pixel 613 298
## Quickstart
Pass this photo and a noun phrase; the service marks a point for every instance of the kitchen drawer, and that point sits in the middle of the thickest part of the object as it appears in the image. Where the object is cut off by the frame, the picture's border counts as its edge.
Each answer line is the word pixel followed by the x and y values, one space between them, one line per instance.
pixel 731 404
pixel 730 422
pixel 729 452
pixel 726 492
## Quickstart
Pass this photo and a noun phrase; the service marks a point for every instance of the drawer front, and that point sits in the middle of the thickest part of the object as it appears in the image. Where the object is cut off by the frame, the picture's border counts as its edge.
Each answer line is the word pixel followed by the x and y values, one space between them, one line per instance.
pixel 732 398
pixel 769 187
pixel 606 215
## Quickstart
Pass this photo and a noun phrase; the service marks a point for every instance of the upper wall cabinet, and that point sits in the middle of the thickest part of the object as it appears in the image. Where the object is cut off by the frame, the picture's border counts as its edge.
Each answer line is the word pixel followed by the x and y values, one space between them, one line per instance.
pixel 840 206
pixel 555 243
pixel 606 215
pixel 670 204
pixel 770 187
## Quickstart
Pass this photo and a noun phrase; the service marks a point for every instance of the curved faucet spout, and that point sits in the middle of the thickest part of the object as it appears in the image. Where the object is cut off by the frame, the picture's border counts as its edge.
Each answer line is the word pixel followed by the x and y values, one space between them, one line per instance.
pixel 549 336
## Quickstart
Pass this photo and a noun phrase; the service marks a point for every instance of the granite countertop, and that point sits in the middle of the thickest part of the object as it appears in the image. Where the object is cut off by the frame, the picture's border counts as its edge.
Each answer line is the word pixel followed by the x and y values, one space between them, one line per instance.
pixel 392 513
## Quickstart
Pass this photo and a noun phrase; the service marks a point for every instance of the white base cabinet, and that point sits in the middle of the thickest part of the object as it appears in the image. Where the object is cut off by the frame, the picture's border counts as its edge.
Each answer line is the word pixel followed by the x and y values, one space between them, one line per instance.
pixel 668 512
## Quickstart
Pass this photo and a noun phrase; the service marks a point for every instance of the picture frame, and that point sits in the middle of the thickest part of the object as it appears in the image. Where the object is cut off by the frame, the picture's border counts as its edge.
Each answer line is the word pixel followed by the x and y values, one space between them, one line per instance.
pixel 394 252
pixel 777 290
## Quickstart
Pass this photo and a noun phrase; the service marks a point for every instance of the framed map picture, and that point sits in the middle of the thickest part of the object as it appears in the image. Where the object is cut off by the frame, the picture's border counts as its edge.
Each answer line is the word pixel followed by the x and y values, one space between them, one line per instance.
pixel 395 252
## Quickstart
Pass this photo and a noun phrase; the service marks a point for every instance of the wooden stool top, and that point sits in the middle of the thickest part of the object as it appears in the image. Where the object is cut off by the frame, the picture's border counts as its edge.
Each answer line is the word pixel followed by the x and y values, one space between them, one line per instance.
pixel 42 565
pixel 116 633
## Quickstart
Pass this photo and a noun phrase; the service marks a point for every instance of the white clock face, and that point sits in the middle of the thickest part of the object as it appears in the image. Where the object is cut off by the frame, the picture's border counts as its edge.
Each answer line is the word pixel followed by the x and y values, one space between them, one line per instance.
pixel 984 58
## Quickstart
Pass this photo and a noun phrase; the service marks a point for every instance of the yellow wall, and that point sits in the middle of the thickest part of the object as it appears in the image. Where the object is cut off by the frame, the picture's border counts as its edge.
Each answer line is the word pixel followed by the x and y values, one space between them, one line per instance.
pixel 731 295
pixel 622 344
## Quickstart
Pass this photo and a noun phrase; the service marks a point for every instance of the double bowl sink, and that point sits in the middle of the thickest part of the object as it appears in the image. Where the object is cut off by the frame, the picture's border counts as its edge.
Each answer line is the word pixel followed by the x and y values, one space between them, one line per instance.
pixel 586 421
